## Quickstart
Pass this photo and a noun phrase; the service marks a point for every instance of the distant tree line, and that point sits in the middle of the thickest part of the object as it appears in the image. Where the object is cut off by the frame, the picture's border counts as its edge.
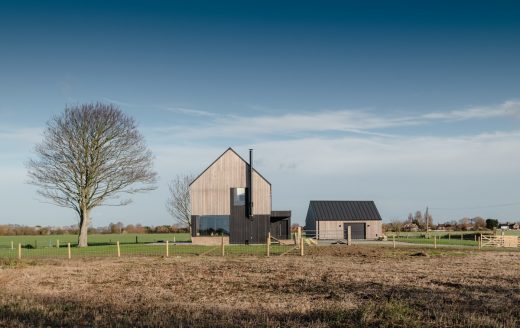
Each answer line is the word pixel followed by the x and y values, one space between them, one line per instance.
pixel 418 222
pixel 21 230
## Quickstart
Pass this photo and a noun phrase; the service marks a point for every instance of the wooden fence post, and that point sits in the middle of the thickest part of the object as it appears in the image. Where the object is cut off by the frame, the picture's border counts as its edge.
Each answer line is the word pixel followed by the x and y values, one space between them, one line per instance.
pixel 12 245
pixel 167 248
pixel 298 236
pixel 449 235
pixel 174 239
pixel 301 246
pixel 434 241
pixel 19 251
pixel 68 250
pixel 223 247
pixel 349 235
pixel 57 243
pixel 480 242
pixel 461 236
pixel 475 237
pixel 118 249
pixel 393 239
pixel 268 244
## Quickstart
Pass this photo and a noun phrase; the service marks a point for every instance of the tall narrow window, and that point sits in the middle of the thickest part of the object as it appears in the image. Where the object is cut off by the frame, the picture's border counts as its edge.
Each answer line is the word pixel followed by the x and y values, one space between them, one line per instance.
pixel 240 197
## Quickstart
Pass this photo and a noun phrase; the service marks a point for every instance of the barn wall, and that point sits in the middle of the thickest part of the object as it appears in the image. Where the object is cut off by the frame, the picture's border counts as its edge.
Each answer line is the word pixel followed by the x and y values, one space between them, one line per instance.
pixel 210 192
pixel 335 229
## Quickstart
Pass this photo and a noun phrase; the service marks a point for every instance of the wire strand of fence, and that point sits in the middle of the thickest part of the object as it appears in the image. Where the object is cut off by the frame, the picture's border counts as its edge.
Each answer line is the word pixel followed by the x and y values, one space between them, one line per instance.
pixel 305 242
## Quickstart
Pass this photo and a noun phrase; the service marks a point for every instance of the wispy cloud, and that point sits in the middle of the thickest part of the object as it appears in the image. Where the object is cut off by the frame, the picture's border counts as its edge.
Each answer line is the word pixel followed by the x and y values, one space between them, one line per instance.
pixel 506 109
pixel 361 122
pixel 118 102
pixel 23 134
pixel 190 111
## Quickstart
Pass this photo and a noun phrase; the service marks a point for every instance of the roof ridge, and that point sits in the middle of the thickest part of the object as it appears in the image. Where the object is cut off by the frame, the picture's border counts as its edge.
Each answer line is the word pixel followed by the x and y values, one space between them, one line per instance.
pixel 229 148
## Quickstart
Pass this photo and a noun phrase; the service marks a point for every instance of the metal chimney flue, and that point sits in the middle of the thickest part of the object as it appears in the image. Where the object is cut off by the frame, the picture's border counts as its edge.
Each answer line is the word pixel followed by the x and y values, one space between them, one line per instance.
pixel 250 186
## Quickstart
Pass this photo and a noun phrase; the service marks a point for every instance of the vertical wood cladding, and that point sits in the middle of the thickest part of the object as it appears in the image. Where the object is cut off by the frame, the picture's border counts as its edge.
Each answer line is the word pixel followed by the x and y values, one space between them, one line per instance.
pixel 210 191
pixel 335 229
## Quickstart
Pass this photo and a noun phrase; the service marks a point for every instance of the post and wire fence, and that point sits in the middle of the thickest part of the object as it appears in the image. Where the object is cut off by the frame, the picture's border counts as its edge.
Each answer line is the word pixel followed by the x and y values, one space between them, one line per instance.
pixel 165 248
pixel 300 243
pixel 465 239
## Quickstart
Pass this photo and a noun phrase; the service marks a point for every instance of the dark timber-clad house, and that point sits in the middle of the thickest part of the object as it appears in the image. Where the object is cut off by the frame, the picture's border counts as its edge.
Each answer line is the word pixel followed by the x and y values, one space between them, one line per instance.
pixel 331 219
pixel 232 199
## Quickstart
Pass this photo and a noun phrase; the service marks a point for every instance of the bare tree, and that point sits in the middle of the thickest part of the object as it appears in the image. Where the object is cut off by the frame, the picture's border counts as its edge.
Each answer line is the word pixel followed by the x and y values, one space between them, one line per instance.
pixel 479 223
pixel 396 225
pixel 90 155
pixel 178 203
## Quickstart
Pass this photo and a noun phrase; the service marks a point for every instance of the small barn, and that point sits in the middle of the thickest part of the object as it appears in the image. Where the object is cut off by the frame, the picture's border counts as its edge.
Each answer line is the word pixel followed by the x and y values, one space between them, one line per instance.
pixel 231 198
pixel 330 219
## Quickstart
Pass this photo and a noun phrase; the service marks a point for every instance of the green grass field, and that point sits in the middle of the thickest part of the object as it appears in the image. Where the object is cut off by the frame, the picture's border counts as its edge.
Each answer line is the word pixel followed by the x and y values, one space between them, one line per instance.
pixel 102 245
pixel 454 234
pixel 143 250
pixel 105 245
pixel 429 241
pixel 93 240
pixel 446 238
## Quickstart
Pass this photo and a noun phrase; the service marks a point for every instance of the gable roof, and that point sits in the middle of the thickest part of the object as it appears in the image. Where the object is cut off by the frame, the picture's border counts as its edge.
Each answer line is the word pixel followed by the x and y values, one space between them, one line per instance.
pixel 234 152
pixel 343 210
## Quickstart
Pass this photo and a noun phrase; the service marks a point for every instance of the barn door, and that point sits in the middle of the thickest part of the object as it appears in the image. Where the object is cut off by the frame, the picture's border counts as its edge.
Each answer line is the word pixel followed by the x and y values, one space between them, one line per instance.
pixel 357 230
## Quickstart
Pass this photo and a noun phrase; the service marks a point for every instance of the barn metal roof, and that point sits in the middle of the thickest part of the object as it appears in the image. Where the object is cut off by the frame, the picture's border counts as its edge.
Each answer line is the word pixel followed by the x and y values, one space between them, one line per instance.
pixel 343 210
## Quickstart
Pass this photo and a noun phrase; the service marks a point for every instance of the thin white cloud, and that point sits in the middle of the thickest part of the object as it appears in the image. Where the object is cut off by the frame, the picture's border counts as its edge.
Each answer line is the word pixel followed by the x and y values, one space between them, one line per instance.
pixel 235 126
pixel 190 111
pixel 350 121
pixel 23 134
pixel 119 103
pixel 507 109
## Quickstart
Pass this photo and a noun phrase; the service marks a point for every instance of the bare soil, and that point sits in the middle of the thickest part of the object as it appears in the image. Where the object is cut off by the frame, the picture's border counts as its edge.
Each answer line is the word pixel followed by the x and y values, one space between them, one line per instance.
pixel 336 286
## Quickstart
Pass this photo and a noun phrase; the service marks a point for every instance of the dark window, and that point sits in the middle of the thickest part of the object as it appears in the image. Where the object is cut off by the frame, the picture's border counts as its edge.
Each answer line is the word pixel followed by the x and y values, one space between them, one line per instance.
pixel 213 225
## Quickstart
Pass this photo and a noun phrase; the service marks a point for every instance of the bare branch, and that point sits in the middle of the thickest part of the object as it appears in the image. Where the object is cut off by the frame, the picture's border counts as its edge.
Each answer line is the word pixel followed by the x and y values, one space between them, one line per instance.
pixel 178 203
pixel 89 155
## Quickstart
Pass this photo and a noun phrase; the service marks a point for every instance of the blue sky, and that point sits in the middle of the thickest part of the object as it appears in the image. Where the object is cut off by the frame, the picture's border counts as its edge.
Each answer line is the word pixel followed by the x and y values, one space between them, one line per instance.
pixel 406 103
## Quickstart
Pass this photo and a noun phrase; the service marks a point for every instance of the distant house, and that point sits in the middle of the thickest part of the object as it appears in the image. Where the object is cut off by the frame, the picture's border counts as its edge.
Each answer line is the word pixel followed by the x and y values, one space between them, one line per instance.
pixel 410 227
pixel 331 219
pixel 441 227
pixel 231 199
pixel 503 226
pixel 514 226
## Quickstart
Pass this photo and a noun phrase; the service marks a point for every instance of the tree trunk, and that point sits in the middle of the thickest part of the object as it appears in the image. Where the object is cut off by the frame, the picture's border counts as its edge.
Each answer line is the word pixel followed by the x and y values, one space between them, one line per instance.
pixel 83 228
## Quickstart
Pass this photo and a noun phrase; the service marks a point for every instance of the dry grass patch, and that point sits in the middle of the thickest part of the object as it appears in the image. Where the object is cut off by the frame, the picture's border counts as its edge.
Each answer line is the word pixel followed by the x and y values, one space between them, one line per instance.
pixel 332 287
